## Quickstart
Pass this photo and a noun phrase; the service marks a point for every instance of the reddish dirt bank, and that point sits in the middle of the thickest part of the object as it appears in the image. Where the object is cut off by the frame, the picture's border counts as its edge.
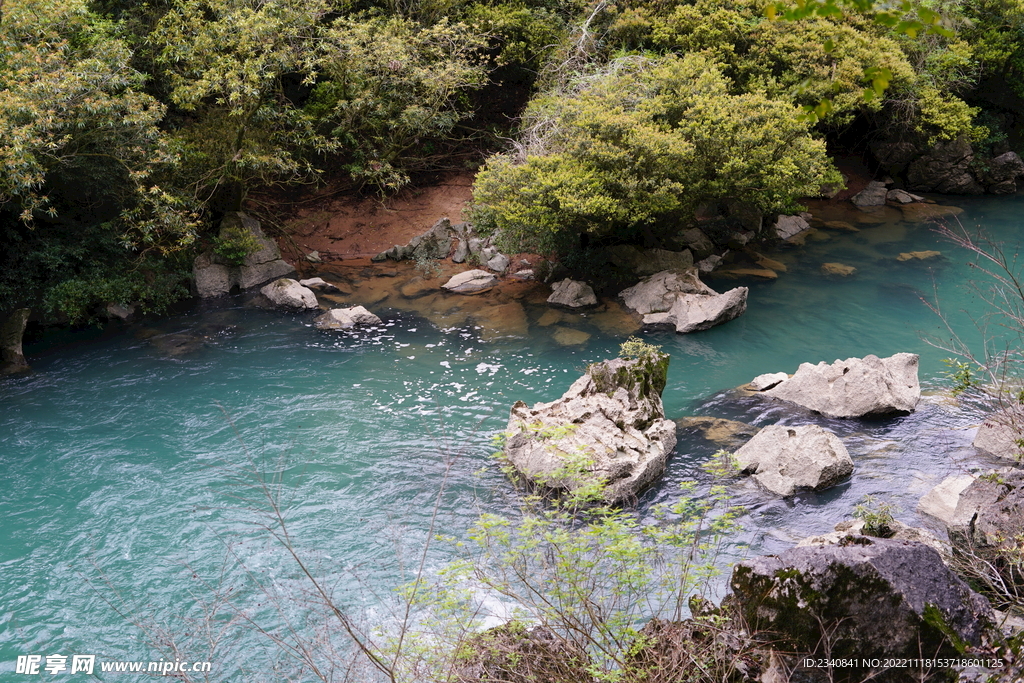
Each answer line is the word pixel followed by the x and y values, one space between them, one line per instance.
pixel 347 227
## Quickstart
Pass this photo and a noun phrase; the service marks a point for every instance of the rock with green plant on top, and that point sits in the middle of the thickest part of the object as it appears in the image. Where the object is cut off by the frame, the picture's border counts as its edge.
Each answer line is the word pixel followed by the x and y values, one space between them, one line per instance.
pixel 786 459
pixel 242 256
pixel 606 438
pixel 288 293
pixel 889 528
pixel 518 653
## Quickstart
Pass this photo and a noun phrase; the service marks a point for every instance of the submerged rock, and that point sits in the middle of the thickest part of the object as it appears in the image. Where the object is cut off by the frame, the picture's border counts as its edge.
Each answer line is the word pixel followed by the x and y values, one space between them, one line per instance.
pixel 471 282
pixel 918 255
pixel 864 598
pixel 290 294
pixel 608 428
pixel 837 269
pixel 785 459
pixel 572 294
pixel 855 387
pixel 345 318
pixel 727 434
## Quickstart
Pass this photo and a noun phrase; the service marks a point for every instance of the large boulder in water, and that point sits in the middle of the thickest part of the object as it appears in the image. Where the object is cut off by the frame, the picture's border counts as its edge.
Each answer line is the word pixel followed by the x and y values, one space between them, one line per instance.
pixel 288 293
pixel 572 294
pixel 680 299
pixel 862 598
pixel 345 318
pixel 855 387
pixel 608 428
pixel 785 459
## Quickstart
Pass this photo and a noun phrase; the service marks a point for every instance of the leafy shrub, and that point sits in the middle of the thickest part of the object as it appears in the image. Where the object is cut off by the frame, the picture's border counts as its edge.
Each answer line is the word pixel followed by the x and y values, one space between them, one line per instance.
pixel 636 147
pixel 234 244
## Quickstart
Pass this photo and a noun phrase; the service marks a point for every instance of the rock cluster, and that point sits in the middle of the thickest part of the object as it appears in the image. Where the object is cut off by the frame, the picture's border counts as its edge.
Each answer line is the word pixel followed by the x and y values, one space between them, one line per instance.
pixel 215 278
pixel 681 300
pixel 608 428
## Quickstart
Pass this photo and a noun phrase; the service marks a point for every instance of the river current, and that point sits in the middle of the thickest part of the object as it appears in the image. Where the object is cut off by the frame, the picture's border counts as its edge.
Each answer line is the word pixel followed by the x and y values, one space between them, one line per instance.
pixel 120 456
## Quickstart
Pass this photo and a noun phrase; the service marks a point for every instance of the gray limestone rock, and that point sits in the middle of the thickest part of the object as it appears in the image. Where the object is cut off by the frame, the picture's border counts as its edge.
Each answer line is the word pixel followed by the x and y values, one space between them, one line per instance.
pixel 787 226
pixel 942 500
pixel 854 387
pixel 872 195
pixel 471 282
pixel 345 318
pixel 999 434
pixel 572 294
pixel 609 427
pixel 786 459
pixel 864 597
pixel 657 293
pixel 289 294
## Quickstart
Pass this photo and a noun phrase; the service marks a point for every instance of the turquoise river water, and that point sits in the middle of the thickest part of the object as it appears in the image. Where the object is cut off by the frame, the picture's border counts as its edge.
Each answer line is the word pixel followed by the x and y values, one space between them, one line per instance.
pixel 119 462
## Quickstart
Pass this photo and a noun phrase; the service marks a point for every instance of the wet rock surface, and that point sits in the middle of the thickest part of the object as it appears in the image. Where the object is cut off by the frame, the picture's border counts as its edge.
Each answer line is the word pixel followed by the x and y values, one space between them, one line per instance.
pixel 786 459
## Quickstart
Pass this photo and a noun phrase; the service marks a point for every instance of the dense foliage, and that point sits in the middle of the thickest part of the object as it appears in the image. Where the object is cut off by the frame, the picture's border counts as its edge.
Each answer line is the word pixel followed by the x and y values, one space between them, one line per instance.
pixel 127 128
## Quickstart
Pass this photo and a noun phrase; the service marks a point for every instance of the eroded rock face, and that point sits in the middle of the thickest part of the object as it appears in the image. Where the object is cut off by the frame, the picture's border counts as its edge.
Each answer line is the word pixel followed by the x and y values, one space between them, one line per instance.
pixel 787 459
pixel 12 358
pixel 289 294
pixel 855 387
pixel 471 282
pixel 864 598
pixel 572 294
pixel 345 318
pixel 945 168
pixel 609 427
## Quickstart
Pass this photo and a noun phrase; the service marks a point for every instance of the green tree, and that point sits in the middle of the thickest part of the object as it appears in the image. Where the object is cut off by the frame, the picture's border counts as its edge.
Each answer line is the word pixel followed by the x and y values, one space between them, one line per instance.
pixel 227 61
pixel 636 147
pixel 80 154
